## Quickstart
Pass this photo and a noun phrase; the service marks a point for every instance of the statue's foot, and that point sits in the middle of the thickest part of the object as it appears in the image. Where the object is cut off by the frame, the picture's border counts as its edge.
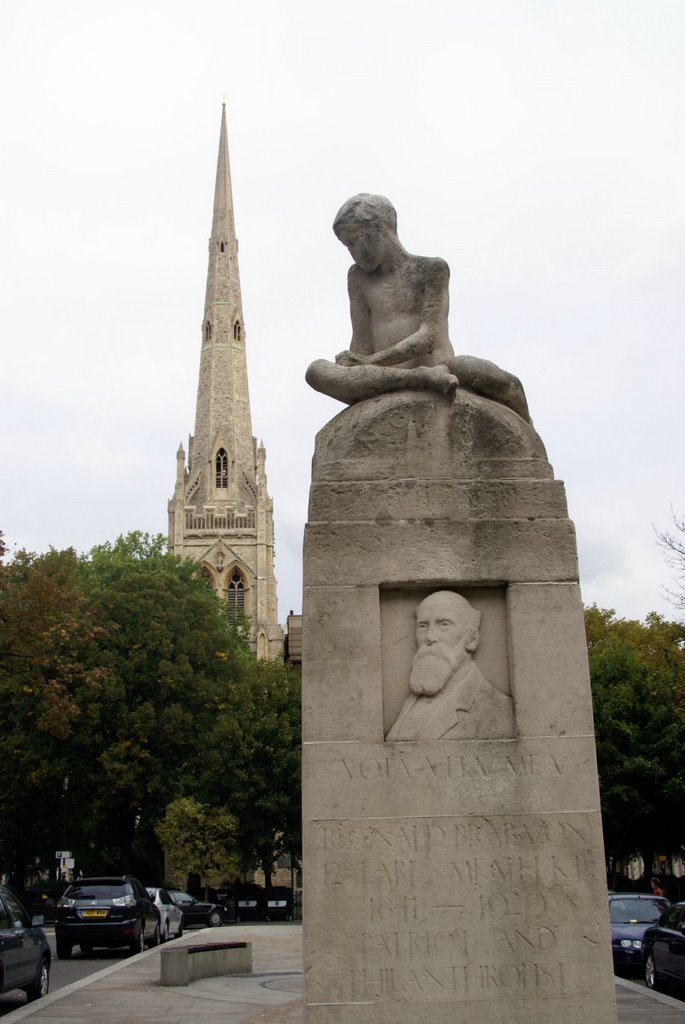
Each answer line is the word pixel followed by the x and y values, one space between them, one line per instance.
pixel 439 378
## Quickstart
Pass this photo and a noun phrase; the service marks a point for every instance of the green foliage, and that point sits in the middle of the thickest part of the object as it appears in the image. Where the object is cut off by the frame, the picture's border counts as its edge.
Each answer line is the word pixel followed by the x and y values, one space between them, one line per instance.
pixel 44 627
pixel 162 644
pixel 199 839
pixel 251 761
pixel 638 685
pixel 116 670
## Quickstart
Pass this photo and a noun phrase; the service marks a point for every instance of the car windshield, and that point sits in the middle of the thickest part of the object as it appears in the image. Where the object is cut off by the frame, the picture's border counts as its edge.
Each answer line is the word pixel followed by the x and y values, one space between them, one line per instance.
pixel 97 892
pixel 636 911
pixel 182 897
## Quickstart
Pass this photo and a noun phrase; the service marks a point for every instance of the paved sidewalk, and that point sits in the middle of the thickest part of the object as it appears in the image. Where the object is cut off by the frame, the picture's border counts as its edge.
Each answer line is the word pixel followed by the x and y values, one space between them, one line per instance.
pixel 129 992
pixel 637 1005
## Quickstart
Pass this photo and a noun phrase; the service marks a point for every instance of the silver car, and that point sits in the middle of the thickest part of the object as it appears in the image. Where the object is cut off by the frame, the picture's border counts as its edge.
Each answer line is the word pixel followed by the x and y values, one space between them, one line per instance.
pixel 171 917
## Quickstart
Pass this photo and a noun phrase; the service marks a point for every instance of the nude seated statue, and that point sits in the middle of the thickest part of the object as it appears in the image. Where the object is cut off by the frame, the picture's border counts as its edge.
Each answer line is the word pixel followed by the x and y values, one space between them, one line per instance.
pixel 399 305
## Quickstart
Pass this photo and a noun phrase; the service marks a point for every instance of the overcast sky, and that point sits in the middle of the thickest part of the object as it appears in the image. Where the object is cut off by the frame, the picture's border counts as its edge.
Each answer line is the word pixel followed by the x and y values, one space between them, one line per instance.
pixel 537 145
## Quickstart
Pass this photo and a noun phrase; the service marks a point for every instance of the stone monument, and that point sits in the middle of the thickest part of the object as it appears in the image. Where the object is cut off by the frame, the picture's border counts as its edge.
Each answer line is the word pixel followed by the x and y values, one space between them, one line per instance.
pixel 453 861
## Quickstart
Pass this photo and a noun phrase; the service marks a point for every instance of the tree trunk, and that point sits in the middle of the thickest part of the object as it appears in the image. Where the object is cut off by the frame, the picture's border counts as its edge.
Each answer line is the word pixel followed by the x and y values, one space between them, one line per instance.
pixel 267 865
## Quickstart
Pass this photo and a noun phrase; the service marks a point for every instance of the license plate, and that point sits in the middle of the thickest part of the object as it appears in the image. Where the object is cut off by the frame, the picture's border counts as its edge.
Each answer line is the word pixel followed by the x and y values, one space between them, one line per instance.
pixel 94 913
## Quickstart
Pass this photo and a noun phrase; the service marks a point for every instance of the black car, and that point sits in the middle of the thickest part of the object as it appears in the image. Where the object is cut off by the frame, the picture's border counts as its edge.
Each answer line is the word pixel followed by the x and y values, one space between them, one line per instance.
pixel 105 911
pixel 663 949
pixel 24 950
pixel 630 914
pixel 195 911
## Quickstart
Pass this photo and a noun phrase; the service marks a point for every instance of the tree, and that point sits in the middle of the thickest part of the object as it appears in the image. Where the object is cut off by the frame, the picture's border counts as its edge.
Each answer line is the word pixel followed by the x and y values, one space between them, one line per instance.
pixel 252 760
pixel 44 628
pixel 638 686
pixel 199 839
pixel 111 673
pixel 165 643
pixel 674 546
pixel 120 672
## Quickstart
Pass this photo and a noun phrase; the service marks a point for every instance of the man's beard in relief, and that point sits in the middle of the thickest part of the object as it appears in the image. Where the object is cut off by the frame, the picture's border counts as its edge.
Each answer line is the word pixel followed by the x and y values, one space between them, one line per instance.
pixel 432 667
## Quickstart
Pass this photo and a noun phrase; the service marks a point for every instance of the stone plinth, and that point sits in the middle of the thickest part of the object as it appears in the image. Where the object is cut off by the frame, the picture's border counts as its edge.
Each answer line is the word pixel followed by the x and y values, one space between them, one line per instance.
pixel 447 881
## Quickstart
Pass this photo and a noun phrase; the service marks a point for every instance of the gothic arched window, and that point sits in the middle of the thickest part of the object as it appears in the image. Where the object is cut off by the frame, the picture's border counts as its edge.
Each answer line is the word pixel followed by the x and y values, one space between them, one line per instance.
pixel 236 330
pixel 208 331
pixel 221 468
pixel 235 595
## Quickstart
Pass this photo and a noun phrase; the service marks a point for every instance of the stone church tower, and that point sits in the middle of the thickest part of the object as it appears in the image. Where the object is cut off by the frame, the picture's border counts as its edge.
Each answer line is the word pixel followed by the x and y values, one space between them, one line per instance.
pixel 221 514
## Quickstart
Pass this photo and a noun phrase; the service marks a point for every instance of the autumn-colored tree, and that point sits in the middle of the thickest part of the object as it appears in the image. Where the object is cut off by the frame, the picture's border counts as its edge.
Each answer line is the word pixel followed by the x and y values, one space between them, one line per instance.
pixel 45 626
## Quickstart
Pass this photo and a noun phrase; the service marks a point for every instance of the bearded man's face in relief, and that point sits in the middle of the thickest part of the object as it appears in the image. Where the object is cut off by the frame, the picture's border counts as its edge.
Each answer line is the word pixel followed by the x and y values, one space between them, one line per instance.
pixel 446 632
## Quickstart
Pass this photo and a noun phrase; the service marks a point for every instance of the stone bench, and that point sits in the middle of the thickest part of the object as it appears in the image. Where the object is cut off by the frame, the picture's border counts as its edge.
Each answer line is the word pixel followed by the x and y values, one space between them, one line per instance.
pixel 182 964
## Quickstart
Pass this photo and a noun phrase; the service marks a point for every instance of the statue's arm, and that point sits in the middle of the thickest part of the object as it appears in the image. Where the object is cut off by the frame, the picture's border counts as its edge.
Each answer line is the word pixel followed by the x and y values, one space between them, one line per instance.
pixel 361 345
pixel 432 330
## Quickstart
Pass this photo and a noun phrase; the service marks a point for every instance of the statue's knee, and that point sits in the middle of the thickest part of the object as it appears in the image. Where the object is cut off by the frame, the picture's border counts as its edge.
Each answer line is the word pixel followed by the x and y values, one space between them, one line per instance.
pixel 314 372
pixel 489 379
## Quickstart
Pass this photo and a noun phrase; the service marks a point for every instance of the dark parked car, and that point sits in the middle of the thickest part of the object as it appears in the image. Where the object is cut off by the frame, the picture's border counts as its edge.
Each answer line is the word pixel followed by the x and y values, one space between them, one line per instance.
pixel 24 950
pixel 630 914
pixel 195 911
pixel 663 949
pixel 226 899
pixel 105 911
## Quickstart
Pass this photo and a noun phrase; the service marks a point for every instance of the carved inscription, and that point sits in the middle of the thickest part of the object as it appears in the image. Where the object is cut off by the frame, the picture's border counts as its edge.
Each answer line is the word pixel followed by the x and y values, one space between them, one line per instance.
pixel 468 980
pixel 456 908
pixel 396 431
pixel 451 766
pixel 424 835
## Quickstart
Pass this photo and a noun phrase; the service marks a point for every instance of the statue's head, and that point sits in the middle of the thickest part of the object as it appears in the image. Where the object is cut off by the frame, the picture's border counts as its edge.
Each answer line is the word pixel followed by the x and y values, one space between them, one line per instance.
pixel 447 633
pixel 367 226
pixel 365 209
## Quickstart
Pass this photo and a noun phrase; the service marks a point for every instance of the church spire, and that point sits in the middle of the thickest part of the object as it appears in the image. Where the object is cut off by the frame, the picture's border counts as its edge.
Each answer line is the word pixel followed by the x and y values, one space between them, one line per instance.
pixel 221 514
pixel 223 277
pixel 223 427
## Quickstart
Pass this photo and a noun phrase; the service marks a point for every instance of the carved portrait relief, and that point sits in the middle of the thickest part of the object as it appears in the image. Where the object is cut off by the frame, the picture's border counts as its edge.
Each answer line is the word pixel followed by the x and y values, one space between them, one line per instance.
pixel 450 698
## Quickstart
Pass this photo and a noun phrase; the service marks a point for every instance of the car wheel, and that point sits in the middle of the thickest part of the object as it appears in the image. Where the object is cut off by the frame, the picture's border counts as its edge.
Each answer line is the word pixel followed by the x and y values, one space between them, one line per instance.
pixel 164 937
pixel 63 949
pixel 41 985
pixel 137 944
pixel 215 919
pixel 179 933
pixel 155 940
pixel 652 978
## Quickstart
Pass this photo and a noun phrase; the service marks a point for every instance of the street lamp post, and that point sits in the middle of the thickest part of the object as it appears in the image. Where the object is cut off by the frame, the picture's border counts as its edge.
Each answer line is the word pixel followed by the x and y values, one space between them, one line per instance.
pixel 65 790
